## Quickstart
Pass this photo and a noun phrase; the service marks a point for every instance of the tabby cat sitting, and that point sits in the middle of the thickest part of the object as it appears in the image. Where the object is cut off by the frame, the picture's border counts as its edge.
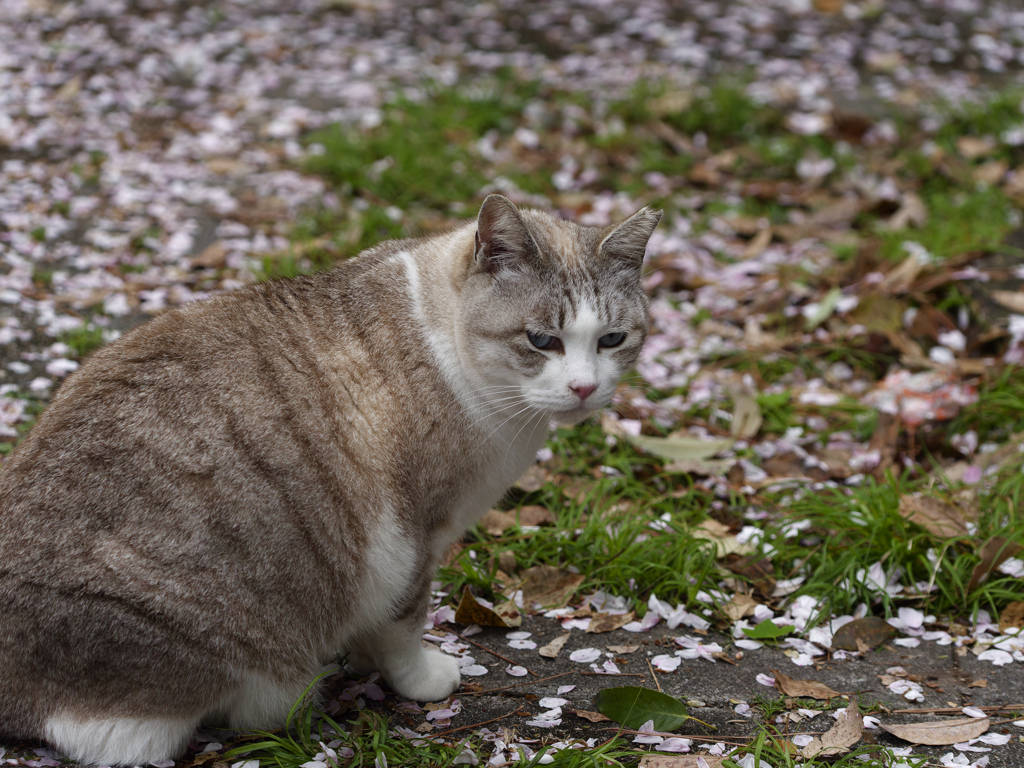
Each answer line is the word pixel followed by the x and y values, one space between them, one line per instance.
pixel 240 489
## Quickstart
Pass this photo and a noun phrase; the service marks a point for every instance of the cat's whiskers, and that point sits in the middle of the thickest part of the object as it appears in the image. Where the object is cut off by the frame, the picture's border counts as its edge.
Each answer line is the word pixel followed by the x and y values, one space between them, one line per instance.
pixel 522 410
pixel 547 415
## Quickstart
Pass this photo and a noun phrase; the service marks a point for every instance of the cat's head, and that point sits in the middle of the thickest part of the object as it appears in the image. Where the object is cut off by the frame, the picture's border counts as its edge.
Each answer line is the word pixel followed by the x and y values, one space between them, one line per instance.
pixel 553 311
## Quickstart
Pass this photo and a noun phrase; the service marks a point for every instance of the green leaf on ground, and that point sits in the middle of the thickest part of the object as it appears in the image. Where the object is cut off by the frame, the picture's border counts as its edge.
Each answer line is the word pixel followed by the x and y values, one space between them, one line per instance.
pixel 632 706
pixel 681 448
pixel 766 630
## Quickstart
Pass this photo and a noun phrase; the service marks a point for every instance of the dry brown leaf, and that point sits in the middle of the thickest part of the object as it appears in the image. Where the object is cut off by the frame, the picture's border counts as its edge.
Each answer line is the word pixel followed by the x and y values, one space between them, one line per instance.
pixel 472 612
pixel 1012 617
pixel 991 172
pixel 606 622
pixel 996 551
pixel 912 213
pixel 681 761
pixel 204 757
pixel 548 585
pixel 594 717
pixel 979 683
pixel 759 570
pixel 862 634
pixel 811 689
pixel 702 468
pixel 496 522
pixel 532 479
pixel 741 605
pixel 552 649
pixel 212 256
pixel 746 417
pixel 940 732
pixel 757 245
pixel 623 649
pixel 840 737
pixel 1012 300
pixel 972 147
pixel 725 542
pixel 936 516
pixel 900 278
pixel 533 514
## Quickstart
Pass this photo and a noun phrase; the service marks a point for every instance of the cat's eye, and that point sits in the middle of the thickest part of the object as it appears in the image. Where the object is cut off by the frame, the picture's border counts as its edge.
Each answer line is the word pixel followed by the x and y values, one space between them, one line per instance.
pixel 542 340
pixel 611 340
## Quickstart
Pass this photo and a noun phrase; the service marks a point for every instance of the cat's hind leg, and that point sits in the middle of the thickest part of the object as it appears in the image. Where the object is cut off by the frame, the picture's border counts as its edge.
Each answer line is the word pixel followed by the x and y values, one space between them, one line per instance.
pixel 119 740
pixel 263 702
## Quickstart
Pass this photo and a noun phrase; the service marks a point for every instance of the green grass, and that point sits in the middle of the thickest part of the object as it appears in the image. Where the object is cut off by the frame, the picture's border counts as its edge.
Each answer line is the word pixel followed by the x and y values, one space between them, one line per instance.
pixel 84 339
pixel 958 221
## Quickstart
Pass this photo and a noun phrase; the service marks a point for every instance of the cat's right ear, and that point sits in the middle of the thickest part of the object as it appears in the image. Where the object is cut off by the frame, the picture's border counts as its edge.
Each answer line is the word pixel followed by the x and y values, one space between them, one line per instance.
pixel 502 240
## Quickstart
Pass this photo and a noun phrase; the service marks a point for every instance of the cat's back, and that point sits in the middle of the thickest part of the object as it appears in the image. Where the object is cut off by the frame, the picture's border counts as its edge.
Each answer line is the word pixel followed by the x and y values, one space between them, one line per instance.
pixel 286 388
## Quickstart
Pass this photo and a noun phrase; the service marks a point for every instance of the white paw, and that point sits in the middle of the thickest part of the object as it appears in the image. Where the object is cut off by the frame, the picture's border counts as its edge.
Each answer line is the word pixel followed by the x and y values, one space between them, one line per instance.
pixel 431 676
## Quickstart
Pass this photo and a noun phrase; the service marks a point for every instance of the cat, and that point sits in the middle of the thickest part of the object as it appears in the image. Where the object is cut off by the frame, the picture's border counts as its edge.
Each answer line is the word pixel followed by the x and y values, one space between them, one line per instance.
pixel 238 490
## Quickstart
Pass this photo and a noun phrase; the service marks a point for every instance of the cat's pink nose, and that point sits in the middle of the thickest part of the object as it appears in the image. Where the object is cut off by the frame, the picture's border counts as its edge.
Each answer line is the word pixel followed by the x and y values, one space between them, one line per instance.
pixel 582 391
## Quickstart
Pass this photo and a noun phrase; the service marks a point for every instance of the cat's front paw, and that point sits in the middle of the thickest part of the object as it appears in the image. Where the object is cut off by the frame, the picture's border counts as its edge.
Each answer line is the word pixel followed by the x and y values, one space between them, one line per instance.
pixel 432 677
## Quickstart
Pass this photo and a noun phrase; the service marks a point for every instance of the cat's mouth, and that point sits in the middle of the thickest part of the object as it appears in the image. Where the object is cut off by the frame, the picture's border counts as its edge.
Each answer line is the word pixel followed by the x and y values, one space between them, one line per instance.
pixel 573 415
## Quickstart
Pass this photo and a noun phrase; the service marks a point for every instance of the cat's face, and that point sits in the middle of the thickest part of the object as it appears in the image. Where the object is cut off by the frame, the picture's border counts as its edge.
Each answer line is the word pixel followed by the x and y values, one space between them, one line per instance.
pixel 555 312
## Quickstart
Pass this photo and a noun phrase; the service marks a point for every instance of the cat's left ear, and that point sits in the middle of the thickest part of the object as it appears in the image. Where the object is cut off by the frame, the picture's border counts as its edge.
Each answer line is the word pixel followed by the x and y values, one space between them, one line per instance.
pixel 627 243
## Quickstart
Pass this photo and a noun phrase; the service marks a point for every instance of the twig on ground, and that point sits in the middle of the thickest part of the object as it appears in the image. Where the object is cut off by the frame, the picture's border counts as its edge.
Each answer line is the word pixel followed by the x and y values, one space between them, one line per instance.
pixel 654 675
pixel 724 739
pixel 605 674
pixel 515 685
pixel 474 725
pixel 953 710
pixel 493 653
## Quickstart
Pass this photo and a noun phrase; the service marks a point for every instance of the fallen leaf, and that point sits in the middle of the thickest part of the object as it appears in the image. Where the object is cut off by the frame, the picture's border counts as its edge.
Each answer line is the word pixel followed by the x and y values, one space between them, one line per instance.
pixel 496 522
pixel 811 689
pixel 682 447
pixel 725 542
pixel 936 516
pixel 594 717
pixel 991 172
pixel 973 147
pixel 940 732
pixel 757 245
pixel 212 256
pixel 533 479
pixel 472 612
pixel 623 649
pixel 509 612
pixel 606 622
pixel 701 467
pixel 768 630
pixel 862 634
pixel 901 277
pixel 758 570
pixel 1012 300
pixel 535 515
pixel 204 757
pixel 552 649
pixel 681 761
pixel 980 683
pixel 549 585
pixel 996 551
pixel 912 213
pixel 741 605
pixel 746 417
pixel 1012 617
pixel 840 737
pixel 631 707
